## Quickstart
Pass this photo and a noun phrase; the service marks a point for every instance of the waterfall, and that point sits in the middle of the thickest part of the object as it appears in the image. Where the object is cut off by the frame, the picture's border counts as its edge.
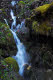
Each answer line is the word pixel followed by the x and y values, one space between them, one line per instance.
pixel 21 57
pixel 14 19
pixel 14 3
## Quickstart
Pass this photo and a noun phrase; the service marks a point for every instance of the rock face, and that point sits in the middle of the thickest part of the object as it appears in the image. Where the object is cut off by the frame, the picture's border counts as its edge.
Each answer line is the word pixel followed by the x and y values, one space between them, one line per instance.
pixel 41 20
pixel 7 43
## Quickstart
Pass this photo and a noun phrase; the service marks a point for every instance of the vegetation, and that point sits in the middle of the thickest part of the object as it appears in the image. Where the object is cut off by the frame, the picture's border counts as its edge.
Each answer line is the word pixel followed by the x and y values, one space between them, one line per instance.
pixel 44 8
pixel 11 61
pixel 6 39
pixel 37 36
pixel 38 21
pixel 42 28
pixel 7 71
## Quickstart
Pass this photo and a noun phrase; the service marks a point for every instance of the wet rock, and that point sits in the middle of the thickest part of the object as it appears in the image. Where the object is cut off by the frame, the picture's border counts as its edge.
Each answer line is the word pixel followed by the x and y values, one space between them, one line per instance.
pixel 27 71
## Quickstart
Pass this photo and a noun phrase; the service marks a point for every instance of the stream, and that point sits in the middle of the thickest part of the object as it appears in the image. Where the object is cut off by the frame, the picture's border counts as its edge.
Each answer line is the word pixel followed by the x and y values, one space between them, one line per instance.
pixel 21 57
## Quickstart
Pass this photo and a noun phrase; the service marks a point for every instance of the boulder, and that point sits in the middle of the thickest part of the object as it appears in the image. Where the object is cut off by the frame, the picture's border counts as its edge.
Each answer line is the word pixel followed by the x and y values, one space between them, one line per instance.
pixel 12 61
pixel 9 69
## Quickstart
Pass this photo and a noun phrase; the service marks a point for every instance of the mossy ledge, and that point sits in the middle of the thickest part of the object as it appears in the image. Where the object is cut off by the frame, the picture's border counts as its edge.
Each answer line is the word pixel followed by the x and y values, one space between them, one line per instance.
pixel 41 20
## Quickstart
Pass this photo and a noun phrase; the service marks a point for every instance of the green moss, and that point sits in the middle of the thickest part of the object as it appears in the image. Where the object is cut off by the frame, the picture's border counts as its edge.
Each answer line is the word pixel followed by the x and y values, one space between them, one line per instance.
pixel 36 22
pixel 3 39
pixel 0 24
pixel 3 11
pixel 9 34
pixel 0 33
pixel 3 32
pixel 43 28
pixel 11 61
pixel 7 42
pixel 3 72
pixel 35 26
pixel 7 72
pixel 43 8
pixel 3 62
pixel 22 2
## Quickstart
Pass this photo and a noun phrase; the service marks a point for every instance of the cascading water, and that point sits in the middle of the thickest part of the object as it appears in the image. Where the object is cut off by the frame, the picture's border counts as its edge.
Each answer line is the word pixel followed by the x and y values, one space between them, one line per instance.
pixel 21 57
pixel 14 3
pixel 14 19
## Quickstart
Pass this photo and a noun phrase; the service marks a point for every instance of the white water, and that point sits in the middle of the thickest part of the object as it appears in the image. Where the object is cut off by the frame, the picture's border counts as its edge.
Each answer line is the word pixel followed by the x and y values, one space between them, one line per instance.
pixel 14 3
pixel 21 56
pixel 14 19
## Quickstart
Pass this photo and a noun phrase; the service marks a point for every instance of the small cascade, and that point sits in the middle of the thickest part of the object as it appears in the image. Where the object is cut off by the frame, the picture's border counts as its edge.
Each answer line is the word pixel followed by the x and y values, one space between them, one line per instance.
pixel 14 19
pixel 21 57
pixel 14 3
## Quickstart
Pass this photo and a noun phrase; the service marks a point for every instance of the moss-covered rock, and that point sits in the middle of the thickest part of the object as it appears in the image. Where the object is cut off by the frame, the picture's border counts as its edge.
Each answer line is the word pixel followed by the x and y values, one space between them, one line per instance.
pixel 7 71
pixel 43 28
pixel 41 20
pixel 43 8
pixel 7 43
pixel 11 61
